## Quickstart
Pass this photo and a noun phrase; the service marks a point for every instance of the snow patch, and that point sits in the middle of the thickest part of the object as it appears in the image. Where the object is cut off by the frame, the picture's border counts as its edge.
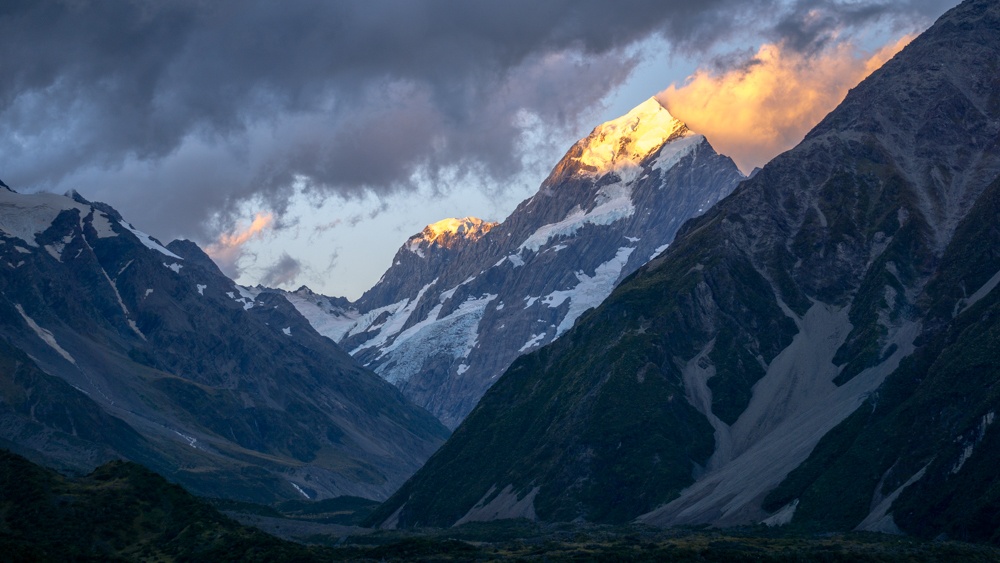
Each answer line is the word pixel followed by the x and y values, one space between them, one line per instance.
pixel 658 250
pixel 591 290
pixel 190 440
pixel 125 267
pixel 987 287
pixel 613 202
pixel 201 288
pixel 454 335
pixel 399 314
pixel 175 267
pixel 54 251
pixel 446 295
pixel 102 225
pixel 148 241
pixel 301 492
pixel 531 343
pixel 675 150
pixel 246 298
pixel 333 324
pixel 25 215
pixel 45 335
pixel 984 423
pixel 114 288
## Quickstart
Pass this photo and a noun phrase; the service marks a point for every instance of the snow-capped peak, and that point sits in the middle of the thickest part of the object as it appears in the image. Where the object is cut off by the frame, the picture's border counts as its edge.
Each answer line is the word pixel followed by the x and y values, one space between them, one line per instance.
pixel 25 215
pixel 621 144
pixel 447 232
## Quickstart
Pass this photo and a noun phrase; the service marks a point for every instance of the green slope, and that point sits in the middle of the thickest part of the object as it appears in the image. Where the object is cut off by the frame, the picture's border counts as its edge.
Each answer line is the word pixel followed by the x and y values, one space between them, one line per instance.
pixel 121 511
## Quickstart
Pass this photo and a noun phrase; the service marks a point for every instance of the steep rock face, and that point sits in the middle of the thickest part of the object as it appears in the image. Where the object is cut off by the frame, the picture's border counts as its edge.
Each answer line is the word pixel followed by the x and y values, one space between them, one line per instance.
pixel 773 364
pixel 447 319
pixel 421 259
pixel 113 345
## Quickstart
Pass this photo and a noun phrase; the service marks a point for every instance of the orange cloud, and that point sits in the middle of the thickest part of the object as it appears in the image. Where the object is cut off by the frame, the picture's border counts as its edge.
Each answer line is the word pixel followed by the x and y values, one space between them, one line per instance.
pixel 752 114
pixel 229 248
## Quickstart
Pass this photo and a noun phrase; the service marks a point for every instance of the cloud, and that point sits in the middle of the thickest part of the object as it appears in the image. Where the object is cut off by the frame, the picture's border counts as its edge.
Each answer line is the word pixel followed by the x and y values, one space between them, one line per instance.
pixel 808 26
pixel 766 106
pixel 353 97
pixel 284 272
pixel 227 251
pixel 210 105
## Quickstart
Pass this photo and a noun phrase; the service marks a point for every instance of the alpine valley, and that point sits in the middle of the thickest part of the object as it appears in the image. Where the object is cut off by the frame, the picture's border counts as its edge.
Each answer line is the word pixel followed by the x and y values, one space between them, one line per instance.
pixel 651 341
pixel 821 349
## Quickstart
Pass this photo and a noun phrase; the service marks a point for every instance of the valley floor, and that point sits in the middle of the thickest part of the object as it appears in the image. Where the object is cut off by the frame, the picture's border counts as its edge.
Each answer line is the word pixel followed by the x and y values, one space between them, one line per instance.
pixel 521 540
pixel 124 512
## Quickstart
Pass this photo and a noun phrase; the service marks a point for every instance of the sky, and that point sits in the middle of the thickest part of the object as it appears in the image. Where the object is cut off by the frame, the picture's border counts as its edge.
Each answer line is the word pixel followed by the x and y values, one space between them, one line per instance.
pixel 303 142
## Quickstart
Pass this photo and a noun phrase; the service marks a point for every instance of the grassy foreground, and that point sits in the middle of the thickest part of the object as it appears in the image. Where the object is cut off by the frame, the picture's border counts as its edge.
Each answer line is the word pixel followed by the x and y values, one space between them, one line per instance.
pixel 526 541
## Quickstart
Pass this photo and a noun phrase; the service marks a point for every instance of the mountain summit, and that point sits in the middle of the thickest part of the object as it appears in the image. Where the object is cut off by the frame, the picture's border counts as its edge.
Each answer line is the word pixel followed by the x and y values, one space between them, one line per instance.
pixel 464 298
pixel 774 363
pixel 446 233
pixel 621 145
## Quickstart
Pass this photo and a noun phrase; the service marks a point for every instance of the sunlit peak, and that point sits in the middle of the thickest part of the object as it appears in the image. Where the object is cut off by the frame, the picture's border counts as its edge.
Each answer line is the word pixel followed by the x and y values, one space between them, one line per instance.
pixel 447 231
pixel 624 142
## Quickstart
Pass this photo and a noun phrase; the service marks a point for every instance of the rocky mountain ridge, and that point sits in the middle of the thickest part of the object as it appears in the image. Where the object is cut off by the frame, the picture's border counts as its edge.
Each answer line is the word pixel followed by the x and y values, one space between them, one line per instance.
pixel 772 365
pixel 446 320
pixel 114 345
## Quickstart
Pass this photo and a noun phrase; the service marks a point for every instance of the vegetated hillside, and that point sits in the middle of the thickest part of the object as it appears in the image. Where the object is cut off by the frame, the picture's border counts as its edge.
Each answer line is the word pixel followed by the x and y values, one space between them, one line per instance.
pixel 817 350
pixel 120 512
pixel 464 297
pixel 112 345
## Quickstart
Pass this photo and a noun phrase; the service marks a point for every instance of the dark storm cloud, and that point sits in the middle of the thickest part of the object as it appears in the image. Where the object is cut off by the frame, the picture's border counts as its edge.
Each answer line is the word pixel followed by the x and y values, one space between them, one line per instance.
pixel 210 104
pixel 809 25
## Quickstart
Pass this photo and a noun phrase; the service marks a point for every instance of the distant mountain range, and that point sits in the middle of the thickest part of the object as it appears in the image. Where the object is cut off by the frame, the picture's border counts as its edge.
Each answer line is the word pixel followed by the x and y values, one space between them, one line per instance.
pixel 821 349
pixel 465 297
pixel 113 345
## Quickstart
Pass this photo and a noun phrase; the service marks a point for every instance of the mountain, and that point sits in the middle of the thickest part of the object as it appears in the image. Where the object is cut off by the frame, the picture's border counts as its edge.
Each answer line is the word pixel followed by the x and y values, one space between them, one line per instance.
pixel 465 297
pixel 115 346
pixel 820 349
